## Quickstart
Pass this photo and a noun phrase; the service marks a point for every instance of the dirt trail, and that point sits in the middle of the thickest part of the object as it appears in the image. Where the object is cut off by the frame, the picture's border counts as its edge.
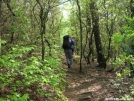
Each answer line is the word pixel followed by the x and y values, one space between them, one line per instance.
pixel 92 85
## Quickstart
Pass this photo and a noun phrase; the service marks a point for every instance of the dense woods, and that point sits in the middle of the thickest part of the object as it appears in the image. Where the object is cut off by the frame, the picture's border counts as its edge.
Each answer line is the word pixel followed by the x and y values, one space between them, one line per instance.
pixel 31 34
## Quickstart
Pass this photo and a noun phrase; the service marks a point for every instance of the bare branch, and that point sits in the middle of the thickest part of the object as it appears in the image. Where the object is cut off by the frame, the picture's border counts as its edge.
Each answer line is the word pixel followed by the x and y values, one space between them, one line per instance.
pixel 9 7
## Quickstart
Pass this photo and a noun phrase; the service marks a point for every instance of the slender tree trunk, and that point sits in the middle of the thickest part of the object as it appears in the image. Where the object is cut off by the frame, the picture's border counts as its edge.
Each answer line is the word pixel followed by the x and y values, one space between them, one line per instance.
pixel 13 14
pixel 90 40
pixel 43 19
pixel 110 32
pixel 0 18
pixel 88 32
pixel 79 17
pixel 84 48
pixel 132 8
pixel 42 33
pixel 43 46
pixel 90 49
pixel 110 28
pixel 96 32
pixel 132 15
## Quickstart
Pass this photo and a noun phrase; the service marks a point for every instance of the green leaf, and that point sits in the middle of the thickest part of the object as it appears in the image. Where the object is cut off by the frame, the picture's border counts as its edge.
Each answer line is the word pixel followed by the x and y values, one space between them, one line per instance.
pixel 2 41
pixel 2 99
pixel 24 97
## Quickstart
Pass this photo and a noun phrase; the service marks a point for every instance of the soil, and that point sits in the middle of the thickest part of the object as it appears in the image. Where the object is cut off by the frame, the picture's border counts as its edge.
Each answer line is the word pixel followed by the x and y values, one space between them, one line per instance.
pixel 93 84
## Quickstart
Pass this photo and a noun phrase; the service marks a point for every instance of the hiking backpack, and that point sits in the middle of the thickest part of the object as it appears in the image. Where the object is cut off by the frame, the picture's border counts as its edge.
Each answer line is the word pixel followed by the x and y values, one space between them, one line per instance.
pixel 66 44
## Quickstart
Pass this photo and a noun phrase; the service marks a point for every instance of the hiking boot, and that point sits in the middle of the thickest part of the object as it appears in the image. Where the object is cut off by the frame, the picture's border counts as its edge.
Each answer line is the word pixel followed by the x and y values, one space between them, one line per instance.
pixel 69 66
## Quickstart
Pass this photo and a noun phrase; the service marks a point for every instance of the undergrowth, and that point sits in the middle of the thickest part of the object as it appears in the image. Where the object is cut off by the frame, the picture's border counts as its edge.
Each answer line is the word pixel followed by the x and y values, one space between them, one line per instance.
pixel 24 78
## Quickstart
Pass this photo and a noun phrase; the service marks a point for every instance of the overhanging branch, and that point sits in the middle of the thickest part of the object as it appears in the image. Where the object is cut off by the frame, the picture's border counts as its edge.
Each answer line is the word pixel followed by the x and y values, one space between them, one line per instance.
pixel 61 3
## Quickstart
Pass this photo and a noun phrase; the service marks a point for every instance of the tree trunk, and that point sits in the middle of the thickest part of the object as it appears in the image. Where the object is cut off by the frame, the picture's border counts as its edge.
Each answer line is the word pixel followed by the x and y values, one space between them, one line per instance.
pixel 43 19
pixel 132 8
pixel 96 32
pixel 90 45
pixel 88 39
pixel 0 18
pixel 79 17
pixel 132 15
pixel 13 14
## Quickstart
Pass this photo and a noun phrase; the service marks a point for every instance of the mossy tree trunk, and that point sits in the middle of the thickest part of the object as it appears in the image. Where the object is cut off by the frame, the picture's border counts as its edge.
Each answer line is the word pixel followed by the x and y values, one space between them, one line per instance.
pixel 96 32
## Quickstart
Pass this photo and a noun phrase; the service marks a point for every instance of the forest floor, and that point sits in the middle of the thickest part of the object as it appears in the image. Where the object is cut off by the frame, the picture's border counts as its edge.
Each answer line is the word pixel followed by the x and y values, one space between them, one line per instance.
pixel 94 84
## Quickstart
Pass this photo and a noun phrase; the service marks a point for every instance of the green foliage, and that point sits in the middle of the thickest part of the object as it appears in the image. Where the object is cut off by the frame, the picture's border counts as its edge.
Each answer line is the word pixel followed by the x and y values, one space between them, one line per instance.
pixel 119 60
pixel 123 44
pixel 20 73
pixel 16 97
pixel 123 63
pixel 117 39
pixel 132 89
pixel 2 41
pixel 127 97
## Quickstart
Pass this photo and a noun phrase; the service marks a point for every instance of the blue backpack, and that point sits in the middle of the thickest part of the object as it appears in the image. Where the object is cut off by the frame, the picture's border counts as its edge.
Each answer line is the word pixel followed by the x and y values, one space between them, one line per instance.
pixel 72 45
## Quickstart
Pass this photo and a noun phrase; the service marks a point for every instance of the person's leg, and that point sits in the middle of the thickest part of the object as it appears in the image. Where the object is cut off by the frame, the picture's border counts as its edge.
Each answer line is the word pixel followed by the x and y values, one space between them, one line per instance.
pixel 131 70
pixel 70 57
pixel 66 51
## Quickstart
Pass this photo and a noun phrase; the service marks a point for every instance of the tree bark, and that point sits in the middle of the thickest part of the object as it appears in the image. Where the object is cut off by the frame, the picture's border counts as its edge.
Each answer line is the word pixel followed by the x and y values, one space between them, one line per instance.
pixel 79 17
pixel 13 14
pixel 43 19
pixel 96 32
pixel 0 18
pixel 132 15
pixel 132 8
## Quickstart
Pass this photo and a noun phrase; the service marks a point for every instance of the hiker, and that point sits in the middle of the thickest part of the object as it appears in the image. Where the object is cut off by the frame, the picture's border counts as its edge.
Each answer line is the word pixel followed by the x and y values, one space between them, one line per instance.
pixel 68 46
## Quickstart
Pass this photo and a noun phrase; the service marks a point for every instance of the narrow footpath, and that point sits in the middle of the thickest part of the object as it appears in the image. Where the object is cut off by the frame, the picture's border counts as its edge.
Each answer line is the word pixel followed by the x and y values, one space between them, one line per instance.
pixel 94 84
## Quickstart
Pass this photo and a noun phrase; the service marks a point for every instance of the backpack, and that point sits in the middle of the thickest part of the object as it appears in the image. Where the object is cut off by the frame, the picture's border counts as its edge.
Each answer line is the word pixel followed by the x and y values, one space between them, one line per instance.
pixel 72 45
pixel 66 44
